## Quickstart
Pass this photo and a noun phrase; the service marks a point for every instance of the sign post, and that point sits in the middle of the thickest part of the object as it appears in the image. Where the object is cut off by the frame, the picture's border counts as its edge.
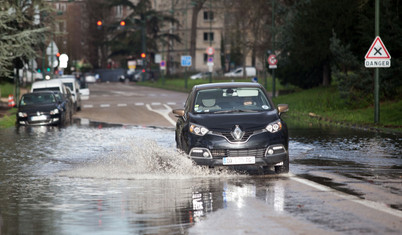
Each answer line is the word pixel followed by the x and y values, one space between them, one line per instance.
pixel 163 68
pixel 272 62
pixel 210 52
pixel 185 62
pixel 377 57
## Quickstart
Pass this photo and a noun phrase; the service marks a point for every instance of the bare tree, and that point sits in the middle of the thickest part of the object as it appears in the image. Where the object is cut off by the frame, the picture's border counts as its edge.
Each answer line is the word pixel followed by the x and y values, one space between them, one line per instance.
pixel 248 29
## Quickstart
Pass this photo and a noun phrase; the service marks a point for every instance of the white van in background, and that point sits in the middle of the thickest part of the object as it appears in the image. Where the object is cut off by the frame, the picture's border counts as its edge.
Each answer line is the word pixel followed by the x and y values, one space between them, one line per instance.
pixel 52 85
pixel 250 72
pixel 71 82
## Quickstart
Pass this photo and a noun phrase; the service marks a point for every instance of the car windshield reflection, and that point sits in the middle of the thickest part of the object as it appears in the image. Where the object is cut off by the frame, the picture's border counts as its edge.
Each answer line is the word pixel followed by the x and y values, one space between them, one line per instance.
pixel 231 100
pixel 37 98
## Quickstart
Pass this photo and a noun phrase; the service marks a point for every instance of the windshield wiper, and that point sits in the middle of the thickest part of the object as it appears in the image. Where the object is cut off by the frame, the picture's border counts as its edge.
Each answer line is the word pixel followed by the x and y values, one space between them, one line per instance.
pixel 236 111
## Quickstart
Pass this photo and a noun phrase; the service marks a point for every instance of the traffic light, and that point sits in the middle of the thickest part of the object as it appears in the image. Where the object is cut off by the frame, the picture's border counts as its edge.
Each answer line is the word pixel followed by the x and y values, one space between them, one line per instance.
pixel 99 23
pixel 48 69
pixel 143 55
pixel 58 54
pixel 122 23
pixel 39 71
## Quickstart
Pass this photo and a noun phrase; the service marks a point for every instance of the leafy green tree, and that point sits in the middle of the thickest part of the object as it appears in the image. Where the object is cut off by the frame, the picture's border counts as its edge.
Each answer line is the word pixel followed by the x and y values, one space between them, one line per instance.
pixel 22 33
pixel 324 40
pixel 391 34
pixel 304 39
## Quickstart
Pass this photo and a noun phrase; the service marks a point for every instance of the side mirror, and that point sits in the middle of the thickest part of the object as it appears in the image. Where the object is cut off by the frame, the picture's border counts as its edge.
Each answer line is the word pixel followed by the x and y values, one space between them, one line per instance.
pixel 178 112
pixel 282 108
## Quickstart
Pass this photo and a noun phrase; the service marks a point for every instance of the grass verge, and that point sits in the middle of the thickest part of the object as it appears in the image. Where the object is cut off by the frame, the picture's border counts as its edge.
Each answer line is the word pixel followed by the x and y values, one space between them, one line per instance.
pixel 325 105
pixel 6 89
pixel 9 119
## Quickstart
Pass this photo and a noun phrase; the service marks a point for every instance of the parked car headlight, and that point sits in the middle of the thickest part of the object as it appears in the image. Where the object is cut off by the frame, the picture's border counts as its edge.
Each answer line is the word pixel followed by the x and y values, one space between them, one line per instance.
pixel 54 111
pixel 274 126
pixel 22 114
pixel 198 129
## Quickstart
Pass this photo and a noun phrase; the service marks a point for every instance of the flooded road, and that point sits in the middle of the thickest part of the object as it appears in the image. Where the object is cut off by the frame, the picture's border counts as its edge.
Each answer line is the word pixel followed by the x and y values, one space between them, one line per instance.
pixel 98 179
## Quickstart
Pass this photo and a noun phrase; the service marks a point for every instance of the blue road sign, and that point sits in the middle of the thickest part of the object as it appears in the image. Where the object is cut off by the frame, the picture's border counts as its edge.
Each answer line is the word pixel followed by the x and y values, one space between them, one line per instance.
pixel 185 61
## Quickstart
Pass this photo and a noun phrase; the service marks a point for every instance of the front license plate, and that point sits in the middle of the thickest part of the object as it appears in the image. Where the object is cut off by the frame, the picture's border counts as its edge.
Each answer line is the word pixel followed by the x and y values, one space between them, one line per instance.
pixel 238 160
pixel 38 118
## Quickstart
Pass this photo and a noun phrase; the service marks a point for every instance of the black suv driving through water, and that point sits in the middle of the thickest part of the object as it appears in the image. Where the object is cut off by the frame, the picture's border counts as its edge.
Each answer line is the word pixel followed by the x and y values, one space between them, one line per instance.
pixel 233 124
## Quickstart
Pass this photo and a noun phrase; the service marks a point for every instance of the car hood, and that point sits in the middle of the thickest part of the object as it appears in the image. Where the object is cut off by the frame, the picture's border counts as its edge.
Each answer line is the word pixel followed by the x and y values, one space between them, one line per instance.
pixel 37 108
pixel 227 120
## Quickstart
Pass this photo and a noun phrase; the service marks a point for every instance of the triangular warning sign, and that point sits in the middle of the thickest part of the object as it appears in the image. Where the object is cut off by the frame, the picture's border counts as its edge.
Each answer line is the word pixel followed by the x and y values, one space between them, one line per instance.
pixel 377 50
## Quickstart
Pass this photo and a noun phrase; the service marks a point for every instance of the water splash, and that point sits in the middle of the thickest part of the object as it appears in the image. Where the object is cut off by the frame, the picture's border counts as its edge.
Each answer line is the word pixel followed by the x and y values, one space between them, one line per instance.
pixel 139 158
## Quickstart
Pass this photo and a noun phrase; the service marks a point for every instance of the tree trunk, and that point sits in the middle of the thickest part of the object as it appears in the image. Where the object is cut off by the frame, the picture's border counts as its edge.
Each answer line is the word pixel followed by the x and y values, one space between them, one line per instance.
pixel 326 76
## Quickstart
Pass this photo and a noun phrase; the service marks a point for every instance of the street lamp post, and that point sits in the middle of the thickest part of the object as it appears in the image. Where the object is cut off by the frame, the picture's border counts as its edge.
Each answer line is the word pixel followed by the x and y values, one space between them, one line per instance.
pixel 273 46
pixel 210 34
pixel 143 43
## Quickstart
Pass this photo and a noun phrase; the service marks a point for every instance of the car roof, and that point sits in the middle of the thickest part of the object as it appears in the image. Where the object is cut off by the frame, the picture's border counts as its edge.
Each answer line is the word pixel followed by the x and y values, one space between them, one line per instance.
pixel 40 92
pixel 47 82
pixel 227 85
pixel 66 79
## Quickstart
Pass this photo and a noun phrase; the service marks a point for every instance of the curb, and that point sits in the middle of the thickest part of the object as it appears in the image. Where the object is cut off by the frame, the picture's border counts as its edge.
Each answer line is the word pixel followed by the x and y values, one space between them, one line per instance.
pixel 353 125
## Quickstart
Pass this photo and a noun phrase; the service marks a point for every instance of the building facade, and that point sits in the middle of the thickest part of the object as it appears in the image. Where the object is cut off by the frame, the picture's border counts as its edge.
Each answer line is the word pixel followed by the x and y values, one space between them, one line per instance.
pixel 202 33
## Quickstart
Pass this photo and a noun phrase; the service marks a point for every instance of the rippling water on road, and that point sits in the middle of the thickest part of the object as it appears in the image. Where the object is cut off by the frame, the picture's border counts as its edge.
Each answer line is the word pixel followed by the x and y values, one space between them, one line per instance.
pixel 125 180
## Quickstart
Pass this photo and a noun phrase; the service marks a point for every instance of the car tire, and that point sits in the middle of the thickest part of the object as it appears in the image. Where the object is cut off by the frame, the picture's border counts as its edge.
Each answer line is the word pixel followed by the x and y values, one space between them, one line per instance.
pixel 284 168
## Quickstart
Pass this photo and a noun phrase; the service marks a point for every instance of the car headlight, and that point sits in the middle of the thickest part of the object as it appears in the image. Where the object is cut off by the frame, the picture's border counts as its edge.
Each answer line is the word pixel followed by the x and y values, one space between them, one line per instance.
pixel 274 126
pixel 22 114
pixel 198 129
pixel 54 111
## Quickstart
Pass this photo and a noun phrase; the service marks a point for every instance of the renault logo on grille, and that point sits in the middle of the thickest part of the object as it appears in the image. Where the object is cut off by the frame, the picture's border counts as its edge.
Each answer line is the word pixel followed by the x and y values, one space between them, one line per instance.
pixel 237 133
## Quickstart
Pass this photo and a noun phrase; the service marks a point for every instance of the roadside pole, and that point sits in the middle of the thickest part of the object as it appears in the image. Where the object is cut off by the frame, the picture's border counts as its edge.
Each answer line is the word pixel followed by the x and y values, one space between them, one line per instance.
pixel 377 57
pixel 273 47
pixel 185 62
pixel 377 71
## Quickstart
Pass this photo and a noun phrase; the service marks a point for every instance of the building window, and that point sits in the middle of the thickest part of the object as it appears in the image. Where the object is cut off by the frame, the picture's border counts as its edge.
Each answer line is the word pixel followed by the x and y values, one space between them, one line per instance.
pixel 208 15
pixel 61 7
pixel 209 36
pixel 61 27
pixel 119 11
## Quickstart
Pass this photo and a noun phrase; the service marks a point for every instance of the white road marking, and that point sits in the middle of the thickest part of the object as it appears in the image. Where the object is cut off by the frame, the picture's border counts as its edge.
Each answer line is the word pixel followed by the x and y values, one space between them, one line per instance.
pixel 155 103
pixel 171 103
pixel 163 112
pixel 88 106
pixel 371 204
pixel 105 105
pixel 139 104
pixel 121 105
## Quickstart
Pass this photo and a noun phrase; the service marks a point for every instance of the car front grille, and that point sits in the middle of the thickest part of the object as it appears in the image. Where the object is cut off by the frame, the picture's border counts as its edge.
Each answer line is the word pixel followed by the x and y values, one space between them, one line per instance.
pixel 220 153
pixel 228 135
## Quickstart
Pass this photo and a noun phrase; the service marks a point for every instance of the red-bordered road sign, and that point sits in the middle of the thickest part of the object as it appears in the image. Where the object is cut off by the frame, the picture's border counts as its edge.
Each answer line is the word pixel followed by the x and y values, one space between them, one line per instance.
pixel 210 50
pixel 272 60
pixel 377 50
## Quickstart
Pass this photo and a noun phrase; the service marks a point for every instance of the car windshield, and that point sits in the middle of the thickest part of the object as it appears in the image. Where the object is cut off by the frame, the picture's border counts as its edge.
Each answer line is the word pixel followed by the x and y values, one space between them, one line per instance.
pixel 228 100
pixel 36 98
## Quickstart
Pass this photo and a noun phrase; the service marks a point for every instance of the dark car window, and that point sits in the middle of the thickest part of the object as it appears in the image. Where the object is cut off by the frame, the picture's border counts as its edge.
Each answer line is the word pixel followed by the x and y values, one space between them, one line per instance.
pixel 37 98
pixel 58 96
pixel 47 89
pixel 221 100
